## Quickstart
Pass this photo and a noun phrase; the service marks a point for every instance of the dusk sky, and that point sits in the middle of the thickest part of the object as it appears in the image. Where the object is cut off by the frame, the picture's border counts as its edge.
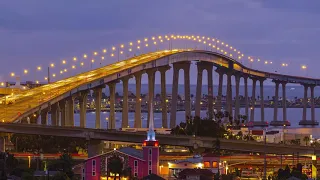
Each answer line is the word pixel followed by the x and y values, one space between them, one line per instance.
pixel 35 32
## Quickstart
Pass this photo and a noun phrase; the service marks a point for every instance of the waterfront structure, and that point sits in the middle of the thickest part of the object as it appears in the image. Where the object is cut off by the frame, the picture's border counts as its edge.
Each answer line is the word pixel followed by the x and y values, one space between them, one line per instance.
pixel 141 163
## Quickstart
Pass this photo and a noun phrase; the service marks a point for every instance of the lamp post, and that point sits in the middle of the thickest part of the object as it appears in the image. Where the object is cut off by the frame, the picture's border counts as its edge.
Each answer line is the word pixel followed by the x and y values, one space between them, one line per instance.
pixel 265 155
pixel 304 67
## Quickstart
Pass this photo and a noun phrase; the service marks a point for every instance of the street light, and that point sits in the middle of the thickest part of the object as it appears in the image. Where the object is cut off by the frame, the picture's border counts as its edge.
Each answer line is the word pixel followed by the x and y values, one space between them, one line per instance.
pixel 265 155
pixel 304 67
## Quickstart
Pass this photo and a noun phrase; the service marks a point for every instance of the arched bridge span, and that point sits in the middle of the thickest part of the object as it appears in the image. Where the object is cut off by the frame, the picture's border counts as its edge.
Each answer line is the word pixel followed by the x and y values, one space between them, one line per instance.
pixel 61 93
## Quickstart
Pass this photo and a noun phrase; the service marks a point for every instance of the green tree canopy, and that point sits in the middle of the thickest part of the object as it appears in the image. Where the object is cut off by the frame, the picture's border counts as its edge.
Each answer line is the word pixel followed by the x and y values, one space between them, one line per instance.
pixel 115 165
pixel 63 164
pixel 47 144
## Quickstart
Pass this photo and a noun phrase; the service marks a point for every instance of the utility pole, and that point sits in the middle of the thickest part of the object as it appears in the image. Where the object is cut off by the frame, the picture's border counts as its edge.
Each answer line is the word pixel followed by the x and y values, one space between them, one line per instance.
pixel 265 156
pixel 48 75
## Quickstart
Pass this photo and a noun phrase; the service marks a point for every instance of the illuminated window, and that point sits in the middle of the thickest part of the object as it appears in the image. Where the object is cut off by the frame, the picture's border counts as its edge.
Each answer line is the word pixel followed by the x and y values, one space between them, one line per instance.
pixel 206 164
pixel 215 164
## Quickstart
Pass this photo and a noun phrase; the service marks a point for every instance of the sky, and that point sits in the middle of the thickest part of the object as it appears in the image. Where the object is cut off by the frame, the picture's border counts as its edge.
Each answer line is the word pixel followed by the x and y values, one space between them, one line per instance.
pixel 36 33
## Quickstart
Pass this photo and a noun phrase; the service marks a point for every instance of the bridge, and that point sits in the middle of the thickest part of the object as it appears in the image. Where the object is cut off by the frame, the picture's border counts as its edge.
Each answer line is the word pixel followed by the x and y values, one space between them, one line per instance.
pixel 96 135
pixel 57 98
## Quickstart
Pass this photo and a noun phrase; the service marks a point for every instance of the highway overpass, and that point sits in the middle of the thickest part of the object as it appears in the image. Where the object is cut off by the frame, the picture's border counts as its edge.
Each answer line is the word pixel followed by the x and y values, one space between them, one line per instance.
pixel 138 137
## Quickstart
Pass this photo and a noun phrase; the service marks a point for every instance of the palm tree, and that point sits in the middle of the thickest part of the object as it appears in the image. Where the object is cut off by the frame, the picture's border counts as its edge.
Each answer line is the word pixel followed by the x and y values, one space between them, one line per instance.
pixel 306 139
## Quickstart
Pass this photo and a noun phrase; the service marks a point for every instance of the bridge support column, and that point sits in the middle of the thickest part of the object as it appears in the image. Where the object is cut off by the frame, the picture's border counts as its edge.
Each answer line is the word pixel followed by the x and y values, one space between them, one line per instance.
pixel 199 90
pixel 97 99
pixel 62 105
pixel 284 102
pixel 261 100
pixel 112 120
pixel 210 90
pixel 275 121
pixel 246 97
pixel 55 114
pixel 304 120
pixel 70 111
pixel 237 106
pixel 151 80
pixel 313 116
pixel 137 117
pixel 164 96
pixel 95 147
pixel 125 110
pixel 275 102
pixel 175 84
pixel 229 94
pixel 44 116
pixel 219 98
pixel 253 99
pixel 187 101
pixel 83 108
pixel 305 100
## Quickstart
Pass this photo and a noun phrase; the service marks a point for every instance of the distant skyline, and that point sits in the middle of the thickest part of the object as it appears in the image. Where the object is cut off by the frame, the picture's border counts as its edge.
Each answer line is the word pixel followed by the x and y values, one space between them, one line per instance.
pixel 35 32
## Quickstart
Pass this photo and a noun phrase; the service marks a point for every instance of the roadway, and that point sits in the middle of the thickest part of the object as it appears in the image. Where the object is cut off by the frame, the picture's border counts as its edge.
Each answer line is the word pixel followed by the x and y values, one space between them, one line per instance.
pixel 30 101
pixel 34 98
pixel 139 137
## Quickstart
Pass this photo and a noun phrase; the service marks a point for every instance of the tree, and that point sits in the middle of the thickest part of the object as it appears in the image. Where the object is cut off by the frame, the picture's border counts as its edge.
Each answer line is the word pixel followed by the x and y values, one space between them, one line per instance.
pixel 306 139
pixel 63 164
pixel 115 166
pixel 60 176
pixel 47 144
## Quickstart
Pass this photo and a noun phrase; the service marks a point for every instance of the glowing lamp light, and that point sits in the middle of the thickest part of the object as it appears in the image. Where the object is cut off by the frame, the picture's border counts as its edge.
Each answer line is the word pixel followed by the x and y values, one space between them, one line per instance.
pixel 95 53
pixel 104 51
pixel 304 67
pixel 39 68
pixel 74 58
pixel 25 71
pixel 113 48
pixel 12 74
pixel 64 62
